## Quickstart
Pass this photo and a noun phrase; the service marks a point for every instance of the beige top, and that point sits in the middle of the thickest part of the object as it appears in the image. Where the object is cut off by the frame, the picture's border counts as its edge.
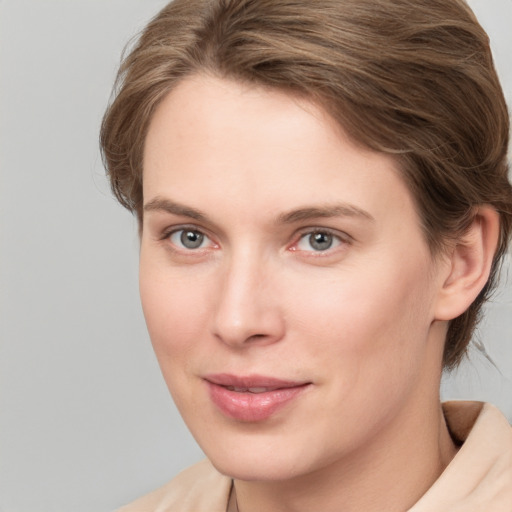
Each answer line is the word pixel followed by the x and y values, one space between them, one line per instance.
pixel 478 479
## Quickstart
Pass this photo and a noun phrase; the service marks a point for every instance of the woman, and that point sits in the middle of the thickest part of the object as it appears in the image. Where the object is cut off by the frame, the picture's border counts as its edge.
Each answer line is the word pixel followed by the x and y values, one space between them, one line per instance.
pixel 323 204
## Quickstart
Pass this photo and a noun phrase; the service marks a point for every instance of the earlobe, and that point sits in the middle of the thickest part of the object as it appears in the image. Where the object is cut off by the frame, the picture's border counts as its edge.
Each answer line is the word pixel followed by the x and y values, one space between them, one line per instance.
pixel 470 263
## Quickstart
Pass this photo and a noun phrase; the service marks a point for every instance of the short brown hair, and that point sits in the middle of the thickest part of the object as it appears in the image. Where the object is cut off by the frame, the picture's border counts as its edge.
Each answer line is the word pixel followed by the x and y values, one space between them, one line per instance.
pixel 412 78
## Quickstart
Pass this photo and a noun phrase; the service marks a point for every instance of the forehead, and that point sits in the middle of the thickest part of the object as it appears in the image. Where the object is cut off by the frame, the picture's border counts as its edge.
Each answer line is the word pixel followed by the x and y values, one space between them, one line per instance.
pixel 260 149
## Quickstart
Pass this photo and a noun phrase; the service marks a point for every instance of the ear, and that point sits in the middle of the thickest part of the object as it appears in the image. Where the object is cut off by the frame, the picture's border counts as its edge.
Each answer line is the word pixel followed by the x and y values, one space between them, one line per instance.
pixel 469 265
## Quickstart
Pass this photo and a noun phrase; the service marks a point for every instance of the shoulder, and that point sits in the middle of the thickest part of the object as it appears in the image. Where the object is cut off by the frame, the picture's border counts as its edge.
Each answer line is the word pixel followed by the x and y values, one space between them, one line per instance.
pixel 199 488
pixel 480 476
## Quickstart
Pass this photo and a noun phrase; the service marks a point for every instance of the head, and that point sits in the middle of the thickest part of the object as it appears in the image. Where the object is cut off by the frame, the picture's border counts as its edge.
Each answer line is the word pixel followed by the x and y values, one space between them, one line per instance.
pixel 362 145
pixel 412 80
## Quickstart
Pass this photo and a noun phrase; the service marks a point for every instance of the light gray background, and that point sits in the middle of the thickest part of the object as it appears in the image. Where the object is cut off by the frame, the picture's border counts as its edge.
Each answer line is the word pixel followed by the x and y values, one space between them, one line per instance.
pixel 86 420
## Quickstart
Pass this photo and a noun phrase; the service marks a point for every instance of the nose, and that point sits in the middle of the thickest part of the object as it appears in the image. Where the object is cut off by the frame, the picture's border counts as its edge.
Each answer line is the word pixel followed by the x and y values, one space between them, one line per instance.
pixel 248 312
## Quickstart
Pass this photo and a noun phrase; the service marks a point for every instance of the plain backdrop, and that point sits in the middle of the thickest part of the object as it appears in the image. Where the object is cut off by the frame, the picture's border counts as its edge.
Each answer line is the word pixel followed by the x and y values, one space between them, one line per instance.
pixel 86 422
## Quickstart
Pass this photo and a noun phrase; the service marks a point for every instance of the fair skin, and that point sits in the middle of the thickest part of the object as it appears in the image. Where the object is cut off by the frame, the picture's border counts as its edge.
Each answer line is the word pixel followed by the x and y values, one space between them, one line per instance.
pixel 304 262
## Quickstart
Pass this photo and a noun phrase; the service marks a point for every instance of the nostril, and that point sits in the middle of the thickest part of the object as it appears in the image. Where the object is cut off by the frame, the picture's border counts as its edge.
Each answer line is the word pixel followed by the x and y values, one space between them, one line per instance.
pixel 255 337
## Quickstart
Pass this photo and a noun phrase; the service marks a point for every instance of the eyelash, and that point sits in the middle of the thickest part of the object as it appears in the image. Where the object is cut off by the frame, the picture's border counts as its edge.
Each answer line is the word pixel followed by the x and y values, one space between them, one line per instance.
pixel 339 239
pixel 167 235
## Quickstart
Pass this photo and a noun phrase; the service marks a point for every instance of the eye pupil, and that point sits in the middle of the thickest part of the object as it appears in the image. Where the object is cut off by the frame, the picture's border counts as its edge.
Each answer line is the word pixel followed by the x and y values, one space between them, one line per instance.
pixel 191 239
pixel 320 241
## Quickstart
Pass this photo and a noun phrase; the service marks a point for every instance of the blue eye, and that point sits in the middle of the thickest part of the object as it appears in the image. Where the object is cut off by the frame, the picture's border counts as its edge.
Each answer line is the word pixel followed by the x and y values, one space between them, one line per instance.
pixel 189 239
pixel 318 241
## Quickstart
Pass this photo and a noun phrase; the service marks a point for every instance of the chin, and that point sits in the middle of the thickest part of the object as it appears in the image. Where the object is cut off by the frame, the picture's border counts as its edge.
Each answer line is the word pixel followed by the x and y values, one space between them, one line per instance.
pixel 250 471
pixel 264 461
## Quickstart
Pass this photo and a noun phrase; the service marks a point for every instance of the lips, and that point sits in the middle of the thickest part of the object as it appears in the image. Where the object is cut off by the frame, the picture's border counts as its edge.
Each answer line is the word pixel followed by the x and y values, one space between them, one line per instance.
pixel 253 398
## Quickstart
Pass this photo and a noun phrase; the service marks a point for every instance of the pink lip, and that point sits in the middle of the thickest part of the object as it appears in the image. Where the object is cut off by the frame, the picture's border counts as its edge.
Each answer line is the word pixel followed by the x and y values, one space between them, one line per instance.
pixel 244 405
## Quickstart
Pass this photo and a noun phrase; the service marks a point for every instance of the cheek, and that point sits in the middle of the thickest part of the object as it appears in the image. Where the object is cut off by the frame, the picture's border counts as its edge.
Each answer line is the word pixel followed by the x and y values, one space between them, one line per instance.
pixel 365 316
pixel 174 309
pixel 174 313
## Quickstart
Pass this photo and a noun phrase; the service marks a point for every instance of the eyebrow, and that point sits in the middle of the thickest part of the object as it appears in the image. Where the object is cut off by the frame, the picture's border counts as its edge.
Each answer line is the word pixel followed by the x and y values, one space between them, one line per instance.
pixel 328 211
pixel 166 205
pixel 299 215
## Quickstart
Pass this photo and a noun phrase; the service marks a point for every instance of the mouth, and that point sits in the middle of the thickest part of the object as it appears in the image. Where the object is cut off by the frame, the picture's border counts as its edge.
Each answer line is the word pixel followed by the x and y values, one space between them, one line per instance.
pixel 253 398
pixel 250 390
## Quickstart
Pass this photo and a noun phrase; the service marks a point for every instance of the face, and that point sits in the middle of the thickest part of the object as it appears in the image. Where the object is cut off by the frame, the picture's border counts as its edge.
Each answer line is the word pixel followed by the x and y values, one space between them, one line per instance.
pixel 285 281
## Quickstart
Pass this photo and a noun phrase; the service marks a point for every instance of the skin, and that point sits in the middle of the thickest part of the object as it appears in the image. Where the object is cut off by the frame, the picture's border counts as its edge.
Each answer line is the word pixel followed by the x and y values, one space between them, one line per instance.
pixel 363 321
